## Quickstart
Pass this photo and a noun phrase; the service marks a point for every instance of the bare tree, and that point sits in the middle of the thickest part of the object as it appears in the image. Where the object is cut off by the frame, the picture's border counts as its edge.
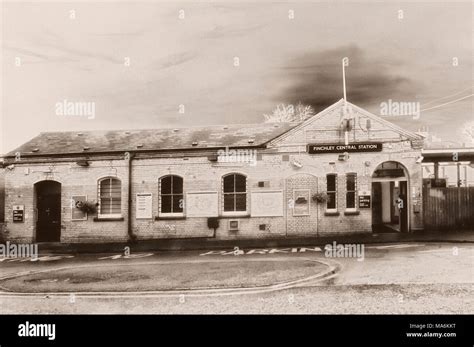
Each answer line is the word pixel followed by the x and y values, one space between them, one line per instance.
pixel 289 113
pixel 467 130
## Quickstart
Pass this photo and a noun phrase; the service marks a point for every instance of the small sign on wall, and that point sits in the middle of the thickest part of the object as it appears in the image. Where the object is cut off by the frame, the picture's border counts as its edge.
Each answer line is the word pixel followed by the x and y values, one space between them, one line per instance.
pixel 144 206
pixel 364 201
pixel 18 213
pixel 301 199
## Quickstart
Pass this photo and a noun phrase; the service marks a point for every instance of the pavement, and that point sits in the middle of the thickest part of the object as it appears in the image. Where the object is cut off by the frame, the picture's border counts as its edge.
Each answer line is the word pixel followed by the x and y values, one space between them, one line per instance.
pixel 176 244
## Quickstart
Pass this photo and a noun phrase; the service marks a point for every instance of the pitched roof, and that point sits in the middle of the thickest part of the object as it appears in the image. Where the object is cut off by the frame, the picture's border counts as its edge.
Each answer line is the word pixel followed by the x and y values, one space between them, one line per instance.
pixel 237 135
pixel 339 104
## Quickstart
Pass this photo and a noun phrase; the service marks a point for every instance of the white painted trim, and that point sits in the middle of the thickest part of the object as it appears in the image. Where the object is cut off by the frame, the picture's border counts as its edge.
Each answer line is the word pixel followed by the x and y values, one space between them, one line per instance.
pixel 389 179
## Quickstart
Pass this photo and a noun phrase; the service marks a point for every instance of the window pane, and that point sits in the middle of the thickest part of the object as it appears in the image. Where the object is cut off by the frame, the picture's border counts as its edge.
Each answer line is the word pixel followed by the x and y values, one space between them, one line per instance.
pixel 166 185
pixel 331 203
pixel 116 206
pixel 331 183
pixel 110 187
pixel 166 204
pixel 241 202
pixel 240 185
pixel 177 202
pixel 350 200
pixel 115 192
pixel 229 184
pixel 110 196
pixel 351 182
pixel 177 185
pixel 115 182
pixel 105 206
pixel 229 202
pixel 105 186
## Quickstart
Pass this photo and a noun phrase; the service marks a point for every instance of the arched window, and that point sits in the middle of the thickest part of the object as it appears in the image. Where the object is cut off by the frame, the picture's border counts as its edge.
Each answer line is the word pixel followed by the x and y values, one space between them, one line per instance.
pixel 234 188
pixel 171 194
pixel 110 196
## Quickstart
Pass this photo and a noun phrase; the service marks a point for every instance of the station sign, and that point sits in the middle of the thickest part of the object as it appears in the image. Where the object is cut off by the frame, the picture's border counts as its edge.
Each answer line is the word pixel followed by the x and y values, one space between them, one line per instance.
pixel 340 148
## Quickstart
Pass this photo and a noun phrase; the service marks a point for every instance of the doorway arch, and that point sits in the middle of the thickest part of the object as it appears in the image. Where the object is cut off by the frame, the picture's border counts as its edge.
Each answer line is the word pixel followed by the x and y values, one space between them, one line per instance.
pixel 390 198
pixel 48 211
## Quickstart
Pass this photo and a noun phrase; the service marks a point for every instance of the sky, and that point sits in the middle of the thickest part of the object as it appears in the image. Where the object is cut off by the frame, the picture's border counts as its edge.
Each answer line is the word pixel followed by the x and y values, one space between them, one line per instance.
pixel 138 62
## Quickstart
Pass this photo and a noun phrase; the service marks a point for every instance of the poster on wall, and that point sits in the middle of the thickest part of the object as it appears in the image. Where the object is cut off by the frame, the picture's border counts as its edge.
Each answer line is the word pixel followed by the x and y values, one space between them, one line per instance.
pixel 202 204
pixel 144 206
pixel 301 202
pixel 266 204
pixel 76 213
pixel 364 201
pixel 18 213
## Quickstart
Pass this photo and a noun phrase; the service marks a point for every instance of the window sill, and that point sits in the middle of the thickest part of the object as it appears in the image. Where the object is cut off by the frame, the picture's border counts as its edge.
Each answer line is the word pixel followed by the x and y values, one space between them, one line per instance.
pixel 351 213
pixel 235 216
pixel 170 217
pixel 108 219
pixel 334 213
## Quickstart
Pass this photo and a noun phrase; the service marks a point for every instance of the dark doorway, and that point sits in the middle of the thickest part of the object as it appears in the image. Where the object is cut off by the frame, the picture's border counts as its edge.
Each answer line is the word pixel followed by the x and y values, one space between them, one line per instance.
pixel 48 207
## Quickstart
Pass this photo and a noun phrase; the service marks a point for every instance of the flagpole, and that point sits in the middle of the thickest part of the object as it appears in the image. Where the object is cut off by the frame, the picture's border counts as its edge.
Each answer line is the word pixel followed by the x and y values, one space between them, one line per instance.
pixel 346 133
pixel 344 78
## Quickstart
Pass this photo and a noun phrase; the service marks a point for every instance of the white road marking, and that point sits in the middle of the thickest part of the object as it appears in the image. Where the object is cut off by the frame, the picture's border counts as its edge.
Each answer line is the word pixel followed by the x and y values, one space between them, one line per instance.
pixel 444 250
pixel 396 246
pixel 264 251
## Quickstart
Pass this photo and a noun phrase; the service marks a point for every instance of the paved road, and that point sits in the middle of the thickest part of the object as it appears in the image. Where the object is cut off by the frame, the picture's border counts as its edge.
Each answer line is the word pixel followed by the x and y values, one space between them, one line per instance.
pixel 393 278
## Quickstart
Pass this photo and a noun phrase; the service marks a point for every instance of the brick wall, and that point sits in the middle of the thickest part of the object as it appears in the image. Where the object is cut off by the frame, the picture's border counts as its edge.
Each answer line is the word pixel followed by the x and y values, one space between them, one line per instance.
pixel 75 180
pixel 199 174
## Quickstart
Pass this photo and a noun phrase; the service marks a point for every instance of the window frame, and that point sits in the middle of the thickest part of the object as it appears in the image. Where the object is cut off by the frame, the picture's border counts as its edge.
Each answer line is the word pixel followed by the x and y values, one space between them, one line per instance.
pixel 223 193
pixel 332 191
pixel 160 194
pixel 351 209
pixel 101 215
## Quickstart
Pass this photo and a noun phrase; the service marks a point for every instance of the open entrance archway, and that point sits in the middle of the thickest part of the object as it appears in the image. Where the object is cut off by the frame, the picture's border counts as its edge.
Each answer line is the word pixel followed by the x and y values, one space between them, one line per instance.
pixel 390 205
pixel 48 211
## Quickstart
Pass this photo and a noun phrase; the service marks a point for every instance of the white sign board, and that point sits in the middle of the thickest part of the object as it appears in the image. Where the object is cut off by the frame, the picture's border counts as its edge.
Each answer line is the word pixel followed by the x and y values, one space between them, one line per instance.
pixel 266 203
pixel 144 206
pixel 76 201
pixel 202 204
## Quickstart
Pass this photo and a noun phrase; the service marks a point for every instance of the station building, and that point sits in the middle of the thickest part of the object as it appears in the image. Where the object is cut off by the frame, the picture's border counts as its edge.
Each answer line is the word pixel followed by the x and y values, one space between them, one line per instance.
pixel 339 172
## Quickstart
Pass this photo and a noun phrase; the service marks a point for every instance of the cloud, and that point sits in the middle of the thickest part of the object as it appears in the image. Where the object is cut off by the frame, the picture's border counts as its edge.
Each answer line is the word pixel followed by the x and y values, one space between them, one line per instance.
pixel 176 59
pixel 220 31
pixel 315 78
